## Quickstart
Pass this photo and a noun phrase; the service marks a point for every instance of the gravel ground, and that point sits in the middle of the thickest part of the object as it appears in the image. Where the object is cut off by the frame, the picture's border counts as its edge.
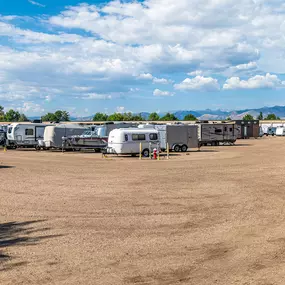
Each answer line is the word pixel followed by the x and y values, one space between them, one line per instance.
pixel 210 217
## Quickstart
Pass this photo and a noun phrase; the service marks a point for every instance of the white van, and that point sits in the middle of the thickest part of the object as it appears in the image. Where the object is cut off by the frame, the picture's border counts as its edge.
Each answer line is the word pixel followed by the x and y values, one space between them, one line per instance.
pixel 25 134
pixel 280 131
pixel 127 141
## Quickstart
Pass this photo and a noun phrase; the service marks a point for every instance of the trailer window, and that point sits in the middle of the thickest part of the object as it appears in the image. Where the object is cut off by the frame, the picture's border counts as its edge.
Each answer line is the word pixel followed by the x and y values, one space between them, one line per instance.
pixel 231 129
pixel 218 131
pixel 138 137
pixel 29 132
pixel 225 129
pixel 126 138
pixel 10 130
pixel 153 137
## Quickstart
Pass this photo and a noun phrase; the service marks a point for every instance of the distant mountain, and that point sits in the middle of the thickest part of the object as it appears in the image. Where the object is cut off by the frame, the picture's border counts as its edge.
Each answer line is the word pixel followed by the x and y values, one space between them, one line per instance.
pixel 207 114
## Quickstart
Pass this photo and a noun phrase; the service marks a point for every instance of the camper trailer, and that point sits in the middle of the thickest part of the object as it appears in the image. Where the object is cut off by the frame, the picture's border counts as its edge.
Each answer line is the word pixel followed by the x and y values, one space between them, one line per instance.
pixel 25 134
pixel 55 135
pixel 214 134
pixel 179 137
pixel 127 141
pixel 280 131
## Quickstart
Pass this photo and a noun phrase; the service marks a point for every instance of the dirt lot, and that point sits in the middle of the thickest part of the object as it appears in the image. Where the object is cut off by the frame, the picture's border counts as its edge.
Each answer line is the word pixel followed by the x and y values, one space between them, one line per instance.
pixel 214 217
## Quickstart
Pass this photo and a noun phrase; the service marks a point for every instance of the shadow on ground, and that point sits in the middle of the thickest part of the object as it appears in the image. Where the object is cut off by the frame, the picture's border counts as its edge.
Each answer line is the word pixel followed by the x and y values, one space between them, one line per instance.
pixel 6 166
pixel 19 234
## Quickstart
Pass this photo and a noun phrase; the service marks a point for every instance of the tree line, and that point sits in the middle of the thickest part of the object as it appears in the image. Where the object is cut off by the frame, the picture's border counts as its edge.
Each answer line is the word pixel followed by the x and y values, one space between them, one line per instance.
pixel 60 116
pixel 269 117
pixel 12 116
pixel 101 117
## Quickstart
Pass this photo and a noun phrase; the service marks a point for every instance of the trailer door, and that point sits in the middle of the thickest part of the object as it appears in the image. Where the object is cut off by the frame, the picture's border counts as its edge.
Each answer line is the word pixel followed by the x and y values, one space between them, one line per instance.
pixel 39 132
pixel 193 137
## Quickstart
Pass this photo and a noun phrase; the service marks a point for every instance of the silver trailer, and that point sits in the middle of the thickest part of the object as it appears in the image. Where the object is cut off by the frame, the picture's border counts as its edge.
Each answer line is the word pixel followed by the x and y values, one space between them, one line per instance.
pixel 179 137
pixel 214 134
pixel 54 135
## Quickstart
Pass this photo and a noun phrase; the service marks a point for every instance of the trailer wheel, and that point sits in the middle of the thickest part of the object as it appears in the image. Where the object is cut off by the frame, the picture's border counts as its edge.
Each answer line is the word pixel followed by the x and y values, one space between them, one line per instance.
pixel 184 148
pixel 176 148
pixel 145 152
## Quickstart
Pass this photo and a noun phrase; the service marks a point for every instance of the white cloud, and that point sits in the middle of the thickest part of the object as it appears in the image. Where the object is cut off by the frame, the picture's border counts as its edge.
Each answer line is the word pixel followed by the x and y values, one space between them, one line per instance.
pixel 145 76
pixel 159 93
pixel 28 107
pixel 148 76
pixel 259 81
pixel 95 96
pixel 120 109
pixel 195 73
pixel 198 83
pixel 245 66
pixel 36 3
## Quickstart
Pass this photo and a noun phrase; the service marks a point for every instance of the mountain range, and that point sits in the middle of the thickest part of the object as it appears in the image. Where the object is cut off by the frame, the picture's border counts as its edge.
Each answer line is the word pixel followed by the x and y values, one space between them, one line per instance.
pixel 208 114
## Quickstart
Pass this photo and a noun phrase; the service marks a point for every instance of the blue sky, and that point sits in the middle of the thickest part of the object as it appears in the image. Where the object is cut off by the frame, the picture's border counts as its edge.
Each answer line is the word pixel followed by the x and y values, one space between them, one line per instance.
pixel 152 55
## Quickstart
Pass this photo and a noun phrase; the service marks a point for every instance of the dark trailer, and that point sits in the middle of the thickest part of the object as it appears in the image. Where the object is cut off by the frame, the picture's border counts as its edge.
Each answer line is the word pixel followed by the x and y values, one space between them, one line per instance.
pixel 248 129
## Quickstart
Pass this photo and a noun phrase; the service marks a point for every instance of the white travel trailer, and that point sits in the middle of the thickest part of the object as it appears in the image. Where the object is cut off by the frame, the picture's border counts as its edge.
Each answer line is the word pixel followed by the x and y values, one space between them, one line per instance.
pixel 53 135
pixel 179 137
pixel 127 141
pixel 25 134
pixel 280 131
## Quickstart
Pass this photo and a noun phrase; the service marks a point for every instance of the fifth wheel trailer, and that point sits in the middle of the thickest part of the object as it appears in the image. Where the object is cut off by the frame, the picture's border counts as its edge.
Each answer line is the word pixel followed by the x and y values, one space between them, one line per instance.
pixel 215 134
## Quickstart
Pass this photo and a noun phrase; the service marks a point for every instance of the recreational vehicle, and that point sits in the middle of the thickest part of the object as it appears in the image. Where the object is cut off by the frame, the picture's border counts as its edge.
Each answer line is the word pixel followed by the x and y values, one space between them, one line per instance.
pixel 133 140
pixel 280 131
pixel 215 134
pixel 25 134
pixel 179 137
pixel 55 135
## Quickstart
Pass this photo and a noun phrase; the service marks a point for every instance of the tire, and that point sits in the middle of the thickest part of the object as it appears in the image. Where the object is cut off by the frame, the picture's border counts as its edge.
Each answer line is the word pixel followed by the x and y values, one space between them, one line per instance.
pixel 145 152
pixel 176 148
pixel 184 148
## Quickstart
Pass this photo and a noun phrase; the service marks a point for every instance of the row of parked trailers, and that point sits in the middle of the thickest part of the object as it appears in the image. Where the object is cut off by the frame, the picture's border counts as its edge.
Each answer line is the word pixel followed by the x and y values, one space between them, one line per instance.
pixel 178 137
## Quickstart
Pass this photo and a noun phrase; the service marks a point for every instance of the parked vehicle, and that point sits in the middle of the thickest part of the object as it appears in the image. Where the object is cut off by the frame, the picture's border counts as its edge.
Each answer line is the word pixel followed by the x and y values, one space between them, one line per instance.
pixel 127 141
pixel 54 136
pixel 214 134
pixel 88 140
pixel 179 137
pixel 25 134
pixel 271 131
pixel 280 131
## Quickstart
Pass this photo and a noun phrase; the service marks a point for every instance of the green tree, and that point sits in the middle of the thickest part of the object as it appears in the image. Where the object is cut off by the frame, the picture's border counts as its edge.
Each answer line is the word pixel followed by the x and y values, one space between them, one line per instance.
pixel 49 117
pixel 190 117
pixel 272 117
pixel 1 110
pixel 168 117
pixel 260 116
pixel 153 117
pixel 138 117
pixel 23 118
pixel 248 117
pixel 229 118
pixel 12 116
pixel 116 117
pixel 100 117
pixel 58 116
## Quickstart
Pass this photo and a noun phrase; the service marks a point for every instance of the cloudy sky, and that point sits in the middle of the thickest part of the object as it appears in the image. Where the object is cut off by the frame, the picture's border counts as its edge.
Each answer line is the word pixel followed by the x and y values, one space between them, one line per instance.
pixel 152 55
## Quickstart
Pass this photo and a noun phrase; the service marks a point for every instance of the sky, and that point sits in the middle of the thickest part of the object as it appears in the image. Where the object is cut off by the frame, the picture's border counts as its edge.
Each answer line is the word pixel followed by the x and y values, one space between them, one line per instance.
pixel 152 55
